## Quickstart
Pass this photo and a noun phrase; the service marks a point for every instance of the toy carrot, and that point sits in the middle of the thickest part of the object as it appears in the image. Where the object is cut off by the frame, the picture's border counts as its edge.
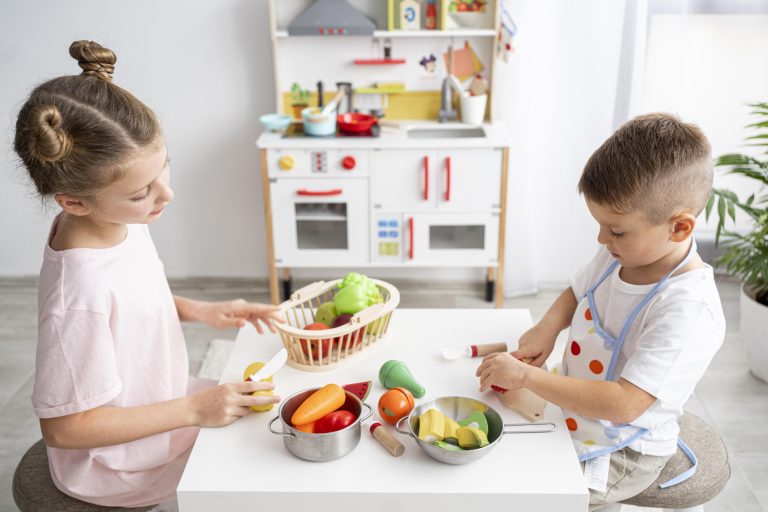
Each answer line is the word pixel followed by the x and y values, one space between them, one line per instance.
pixel 323 401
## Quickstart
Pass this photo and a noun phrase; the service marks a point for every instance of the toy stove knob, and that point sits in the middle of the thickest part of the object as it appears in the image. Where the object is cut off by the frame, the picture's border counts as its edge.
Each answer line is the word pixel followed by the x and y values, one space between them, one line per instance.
pixel 348 162
pixel 286 163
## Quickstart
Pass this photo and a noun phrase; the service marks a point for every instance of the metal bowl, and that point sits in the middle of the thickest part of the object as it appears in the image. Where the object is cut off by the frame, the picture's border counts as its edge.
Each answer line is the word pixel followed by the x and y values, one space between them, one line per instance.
pixel 319 447
pixel 458 408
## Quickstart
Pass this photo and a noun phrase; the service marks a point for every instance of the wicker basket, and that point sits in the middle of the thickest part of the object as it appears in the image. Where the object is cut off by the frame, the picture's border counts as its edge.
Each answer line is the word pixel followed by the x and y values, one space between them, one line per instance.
pixel 365 330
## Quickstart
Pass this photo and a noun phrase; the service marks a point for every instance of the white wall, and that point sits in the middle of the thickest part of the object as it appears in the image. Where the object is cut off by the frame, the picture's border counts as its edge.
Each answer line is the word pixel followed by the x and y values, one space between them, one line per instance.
pixel 205 68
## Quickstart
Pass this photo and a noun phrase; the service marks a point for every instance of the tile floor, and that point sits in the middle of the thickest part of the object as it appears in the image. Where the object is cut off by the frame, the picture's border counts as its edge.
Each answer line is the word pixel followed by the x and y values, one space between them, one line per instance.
pixel 728 396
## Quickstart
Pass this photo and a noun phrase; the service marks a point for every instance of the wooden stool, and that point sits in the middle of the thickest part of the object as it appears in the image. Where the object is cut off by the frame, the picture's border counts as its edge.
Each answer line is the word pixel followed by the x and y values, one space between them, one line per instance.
pixel 34 491
pixel 711 474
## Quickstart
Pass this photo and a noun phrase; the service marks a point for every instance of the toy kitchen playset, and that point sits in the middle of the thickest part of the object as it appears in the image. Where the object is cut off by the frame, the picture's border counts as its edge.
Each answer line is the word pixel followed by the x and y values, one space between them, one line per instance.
pixel 384 151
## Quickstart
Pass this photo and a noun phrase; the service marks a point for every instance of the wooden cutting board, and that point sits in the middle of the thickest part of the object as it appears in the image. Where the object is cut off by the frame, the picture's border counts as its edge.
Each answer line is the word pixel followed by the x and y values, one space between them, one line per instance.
pixel 526 402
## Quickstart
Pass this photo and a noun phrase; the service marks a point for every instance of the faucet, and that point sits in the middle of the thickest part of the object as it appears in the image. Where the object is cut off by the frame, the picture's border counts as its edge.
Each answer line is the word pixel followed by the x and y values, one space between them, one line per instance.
pixel 446 108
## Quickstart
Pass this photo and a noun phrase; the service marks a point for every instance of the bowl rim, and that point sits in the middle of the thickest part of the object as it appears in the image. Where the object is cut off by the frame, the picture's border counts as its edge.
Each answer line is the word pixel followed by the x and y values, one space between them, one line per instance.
pixel 473 450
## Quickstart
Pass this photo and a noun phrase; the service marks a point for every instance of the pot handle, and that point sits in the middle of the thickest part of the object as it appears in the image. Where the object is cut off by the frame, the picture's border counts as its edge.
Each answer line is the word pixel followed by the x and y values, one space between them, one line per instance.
pixel 370 412
pixel 397 426
pixel 551 428
pixel 284 434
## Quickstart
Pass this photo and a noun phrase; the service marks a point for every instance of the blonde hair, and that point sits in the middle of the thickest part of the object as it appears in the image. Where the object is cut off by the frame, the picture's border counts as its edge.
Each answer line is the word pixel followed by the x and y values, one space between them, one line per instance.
pixel 76 134
pixel 655 164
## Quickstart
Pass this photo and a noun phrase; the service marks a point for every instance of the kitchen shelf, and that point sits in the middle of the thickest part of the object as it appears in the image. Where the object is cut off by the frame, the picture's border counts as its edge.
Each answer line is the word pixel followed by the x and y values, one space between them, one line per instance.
pixel 375 62
pixel 321 217
pixel 471 32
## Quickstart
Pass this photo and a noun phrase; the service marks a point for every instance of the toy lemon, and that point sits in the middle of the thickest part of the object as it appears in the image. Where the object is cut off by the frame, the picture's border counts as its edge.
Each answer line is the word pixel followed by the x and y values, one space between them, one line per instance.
pixel 250 370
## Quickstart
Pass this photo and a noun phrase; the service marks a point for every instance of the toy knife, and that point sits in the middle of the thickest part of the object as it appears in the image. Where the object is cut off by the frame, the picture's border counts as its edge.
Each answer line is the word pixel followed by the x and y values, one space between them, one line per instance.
pixel 269 369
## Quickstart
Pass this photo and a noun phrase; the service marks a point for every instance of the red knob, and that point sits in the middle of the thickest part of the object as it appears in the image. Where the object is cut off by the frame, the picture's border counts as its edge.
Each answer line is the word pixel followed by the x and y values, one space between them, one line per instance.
pixel 348 162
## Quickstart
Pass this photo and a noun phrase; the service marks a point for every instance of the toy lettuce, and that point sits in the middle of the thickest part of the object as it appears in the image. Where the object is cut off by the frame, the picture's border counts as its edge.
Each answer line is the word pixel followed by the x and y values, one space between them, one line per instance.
pixel 356 292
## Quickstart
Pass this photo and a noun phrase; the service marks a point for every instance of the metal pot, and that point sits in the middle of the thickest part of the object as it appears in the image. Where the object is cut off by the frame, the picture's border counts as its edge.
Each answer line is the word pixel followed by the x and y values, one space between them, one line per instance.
pixel 319 447
pixel 458 408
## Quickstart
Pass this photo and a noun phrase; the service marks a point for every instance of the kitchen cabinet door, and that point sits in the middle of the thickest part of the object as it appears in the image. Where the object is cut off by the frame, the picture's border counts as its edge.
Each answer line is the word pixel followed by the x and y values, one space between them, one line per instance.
pixel 468 179
pixel 404 179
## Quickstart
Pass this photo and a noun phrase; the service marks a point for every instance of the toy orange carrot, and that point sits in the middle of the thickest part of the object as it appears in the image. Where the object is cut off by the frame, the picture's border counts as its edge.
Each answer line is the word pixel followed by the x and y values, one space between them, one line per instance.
pixel 323 401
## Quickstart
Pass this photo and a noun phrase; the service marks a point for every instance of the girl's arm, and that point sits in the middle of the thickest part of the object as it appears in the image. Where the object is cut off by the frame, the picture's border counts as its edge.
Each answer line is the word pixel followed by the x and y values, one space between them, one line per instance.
pixel 231 313
pixel 105 426
pixel 620 402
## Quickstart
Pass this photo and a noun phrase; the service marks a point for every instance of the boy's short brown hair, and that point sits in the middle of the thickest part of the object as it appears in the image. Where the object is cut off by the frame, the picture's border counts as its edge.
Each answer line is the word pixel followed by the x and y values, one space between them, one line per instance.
pixel 655 164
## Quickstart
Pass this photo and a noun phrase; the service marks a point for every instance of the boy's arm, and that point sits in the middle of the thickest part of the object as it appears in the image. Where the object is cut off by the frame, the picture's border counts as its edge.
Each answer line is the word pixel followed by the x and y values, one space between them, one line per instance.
pixel 619 402
pixel 536 344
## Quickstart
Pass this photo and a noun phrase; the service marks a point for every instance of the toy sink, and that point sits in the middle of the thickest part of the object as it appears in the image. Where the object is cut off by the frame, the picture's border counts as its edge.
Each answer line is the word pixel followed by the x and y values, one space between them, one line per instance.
pixel 446 133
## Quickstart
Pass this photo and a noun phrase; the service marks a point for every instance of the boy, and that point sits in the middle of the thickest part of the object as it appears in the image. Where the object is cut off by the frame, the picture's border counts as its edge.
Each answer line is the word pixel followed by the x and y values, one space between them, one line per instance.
pixel 645 316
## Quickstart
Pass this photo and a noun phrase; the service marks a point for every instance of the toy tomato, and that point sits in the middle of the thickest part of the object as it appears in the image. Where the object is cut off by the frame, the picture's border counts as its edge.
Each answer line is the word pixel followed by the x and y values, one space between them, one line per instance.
pixel 334 421
pixel 315 346
pixel 394 404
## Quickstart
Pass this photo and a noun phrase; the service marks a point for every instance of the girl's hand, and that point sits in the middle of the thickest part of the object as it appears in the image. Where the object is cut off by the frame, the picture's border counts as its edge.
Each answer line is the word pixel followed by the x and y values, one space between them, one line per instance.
pixel 503 370
pixel 224 404
pixel 235 313
pixel 535 345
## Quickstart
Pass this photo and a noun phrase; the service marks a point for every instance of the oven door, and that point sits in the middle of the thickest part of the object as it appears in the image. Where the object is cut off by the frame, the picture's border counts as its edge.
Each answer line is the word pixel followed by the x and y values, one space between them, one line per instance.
pixel 452 238
pixel 320 222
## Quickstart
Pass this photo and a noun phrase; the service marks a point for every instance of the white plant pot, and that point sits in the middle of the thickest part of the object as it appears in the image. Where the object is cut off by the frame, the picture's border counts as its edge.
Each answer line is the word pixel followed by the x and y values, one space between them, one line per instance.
pixel 754 332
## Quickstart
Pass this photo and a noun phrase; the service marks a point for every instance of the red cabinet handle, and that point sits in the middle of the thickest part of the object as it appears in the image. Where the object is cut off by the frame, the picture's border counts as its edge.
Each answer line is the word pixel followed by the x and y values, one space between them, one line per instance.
pixel 410 237
pixel 448 178
pixel 332 192
pixel 426 178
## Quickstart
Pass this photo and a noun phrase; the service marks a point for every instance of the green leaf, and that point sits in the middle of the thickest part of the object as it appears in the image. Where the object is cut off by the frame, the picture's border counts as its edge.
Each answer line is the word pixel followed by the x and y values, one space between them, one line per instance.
pixel 710 204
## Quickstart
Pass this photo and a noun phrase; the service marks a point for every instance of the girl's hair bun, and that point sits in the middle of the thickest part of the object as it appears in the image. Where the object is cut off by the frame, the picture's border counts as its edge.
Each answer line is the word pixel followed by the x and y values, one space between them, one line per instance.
pixel 51 143
pixel 94 59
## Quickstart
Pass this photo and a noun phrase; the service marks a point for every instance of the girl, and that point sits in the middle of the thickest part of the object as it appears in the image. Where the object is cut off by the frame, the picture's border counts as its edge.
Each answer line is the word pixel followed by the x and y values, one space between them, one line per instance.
pixel 117 411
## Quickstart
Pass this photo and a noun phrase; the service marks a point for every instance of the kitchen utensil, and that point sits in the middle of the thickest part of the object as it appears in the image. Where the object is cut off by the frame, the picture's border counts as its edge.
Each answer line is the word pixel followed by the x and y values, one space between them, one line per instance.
pixel 524 401
pixel 457 86
pixel 275 363
pixel 320 98
pixel 319 447
pixel 451 353
pixel 333 103
pixel 387 440
pixel 355 122
pixel 458 408
pixel 318 124
pixel 473 109
pixel 275 122
pixel 345 105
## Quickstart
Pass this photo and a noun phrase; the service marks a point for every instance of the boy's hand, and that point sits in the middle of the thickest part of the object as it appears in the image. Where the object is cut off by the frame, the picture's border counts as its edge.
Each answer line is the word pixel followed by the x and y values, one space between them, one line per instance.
pixel 235 313
pixel 503 370
pixel 535 345
pixel 224 404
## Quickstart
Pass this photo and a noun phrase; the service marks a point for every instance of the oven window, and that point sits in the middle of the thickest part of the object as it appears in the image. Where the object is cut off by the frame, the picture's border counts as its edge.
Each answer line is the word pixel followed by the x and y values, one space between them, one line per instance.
pixel 457 237
pixel 321 226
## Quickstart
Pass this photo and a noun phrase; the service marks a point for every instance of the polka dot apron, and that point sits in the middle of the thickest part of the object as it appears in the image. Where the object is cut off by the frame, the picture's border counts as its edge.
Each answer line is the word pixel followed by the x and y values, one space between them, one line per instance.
pixel 592 354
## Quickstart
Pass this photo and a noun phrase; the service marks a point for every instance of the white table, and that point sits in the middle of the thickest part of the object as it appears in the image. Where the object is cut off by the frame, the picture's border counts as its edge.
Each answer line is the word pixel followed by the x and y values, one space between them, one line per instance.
pixel 244 467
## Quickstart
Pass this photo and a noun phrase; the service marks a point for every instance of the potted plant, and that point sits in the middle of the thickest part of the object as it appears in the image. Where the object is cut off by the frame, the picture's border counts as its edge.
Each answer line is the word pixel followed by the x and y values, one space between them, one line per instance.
pixel 299 99
pixel 746 253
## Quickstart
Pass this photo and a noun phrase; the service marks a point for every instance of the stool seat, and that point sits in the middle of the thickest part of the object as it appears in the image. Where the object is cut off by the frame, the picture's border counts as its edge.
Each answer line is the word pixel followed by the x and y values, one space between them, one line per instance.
pixel 711 474
pixel 34 490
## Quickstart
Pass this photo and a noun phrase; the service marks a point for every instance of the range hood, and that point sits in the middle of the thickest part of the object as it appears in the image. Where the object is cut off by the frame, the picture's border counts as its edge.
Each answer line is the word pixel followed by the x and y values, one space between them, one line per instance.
pixel 331 18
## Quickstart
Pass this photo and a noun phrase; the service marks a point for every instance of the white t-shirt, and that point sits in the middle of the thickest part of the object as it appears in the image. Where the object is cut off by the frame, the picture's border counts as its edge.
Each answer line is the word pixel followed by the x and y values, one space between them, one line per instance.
pixel 109 335
pixel 669 345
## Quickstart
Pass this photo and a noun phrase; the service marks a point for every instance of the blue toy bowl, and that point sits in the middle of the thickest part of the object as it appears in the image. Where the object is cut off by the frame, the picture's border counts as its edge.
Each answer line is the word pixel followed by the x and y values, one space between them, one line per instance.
pixel 317 124
pixel 275 122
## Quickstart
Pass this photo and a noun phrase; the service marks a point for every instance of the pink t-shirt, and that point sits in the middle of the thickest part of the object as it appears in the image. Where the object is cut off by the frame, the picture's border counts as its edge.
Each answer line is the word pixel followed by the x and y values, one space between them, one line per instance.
pixel 109 335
